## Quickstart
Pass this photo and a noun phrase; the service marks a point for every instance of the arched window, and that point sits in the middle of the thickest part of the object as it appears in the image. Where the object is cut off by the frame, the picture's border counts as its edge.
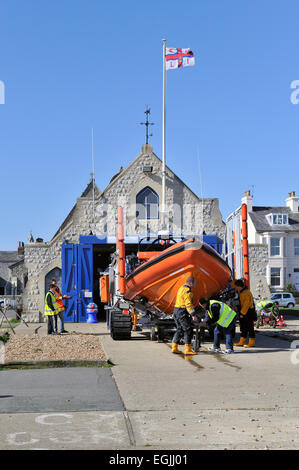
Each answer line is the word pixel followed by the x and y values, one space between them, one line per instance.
pixel 147 204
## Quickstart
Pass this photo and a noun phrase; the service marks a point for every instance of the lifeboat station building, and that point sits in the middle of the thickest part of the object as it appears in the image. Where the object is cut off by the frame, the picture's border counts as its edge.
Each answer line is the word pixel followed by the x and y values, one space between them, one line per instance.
pixel 82 246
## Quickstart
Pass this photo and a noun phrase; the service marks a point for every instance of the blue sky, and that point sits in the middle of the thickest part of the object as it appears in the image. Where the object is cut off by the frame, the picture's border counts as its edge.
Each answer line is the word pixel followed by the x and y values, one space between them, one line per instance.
pixel 72 65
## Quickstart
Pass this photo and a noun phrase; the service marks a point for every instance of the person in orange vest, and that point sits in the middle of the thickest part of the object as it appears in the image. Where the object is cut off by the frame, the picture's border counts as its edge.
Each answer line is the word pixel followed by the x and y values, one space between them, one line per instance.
pixel 60 305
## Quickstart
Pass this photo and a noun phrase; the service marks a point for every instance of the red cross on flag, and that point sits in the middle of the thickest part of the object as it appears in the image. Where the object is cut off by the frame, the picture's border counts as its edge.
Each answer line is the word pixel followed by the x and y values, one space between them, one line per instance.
pixel 176 58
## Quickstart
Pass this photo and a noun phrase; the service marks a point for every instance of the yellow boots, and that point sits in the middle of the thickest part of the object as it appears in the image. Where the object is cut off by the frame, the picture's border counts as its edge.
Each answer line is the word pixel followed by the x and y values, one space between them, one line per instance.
pixel 251 343
pixel 188 350
pixel 241 342
pixel 175 349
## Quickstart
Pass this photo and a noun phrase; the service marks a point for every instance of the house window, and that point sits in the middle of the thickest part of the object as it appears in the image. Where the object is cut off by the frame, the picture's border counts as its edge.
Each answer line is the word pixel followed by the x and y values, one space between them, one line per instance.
pixel 275 277
pixel 296 246
pixel 147 204
pixel 278 219
pixel 275 247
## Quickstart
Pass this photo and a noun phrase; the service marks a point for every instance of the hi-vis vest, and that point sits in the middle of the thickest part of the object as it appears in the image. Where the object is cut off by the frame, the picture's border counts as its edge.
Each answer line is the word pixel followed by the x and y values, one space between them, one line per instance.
pixel 48 311
pixel 59 301
pixel 226 314
pixel 261 305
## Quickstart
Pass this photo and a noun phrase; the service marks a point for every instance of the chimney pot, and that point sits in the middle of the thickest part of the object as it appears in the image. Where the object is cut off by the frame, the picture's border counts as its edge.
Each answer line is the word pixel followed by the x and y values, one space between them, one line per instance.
pixel 21 248
pixel 247 199
pixel 292 201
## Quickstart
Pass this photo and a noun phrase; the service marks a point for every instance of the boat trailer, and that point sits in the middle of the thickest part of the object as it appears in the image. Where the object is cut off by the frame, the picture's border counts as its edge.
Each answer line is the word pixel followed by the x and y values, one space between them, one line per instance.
pixel 124 316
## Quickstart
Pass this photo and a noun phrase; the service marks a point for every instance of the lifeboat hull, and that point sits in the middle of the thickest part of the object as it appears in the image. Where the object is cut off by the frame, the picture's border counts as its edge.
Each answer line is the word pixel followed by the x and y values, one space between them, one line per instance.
pixel 159 278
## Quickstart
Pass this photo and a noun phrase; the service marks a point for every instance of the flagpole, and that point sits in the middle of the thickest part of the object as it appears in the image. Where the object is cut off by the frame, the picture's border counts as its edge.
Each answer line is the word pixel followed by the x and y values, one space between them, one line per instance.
pixel 163 142
pixel 93 201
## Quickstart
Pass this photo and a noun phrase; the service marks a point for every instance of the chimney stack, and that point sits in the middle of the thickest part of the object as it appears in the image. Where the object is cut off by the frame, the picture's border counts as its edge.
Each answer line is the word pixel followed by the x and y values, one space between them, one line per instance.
pixel 247 199
pixel 21 248
pixel 292 201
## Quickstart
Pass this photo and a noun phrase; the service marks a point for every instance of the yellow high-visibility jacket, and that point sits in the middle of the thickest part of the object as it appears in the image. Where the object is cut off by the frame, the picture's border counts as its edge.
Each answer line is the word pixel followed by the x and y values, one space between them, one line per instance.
pixel 48 311
pixel 246 299
pixel 184 299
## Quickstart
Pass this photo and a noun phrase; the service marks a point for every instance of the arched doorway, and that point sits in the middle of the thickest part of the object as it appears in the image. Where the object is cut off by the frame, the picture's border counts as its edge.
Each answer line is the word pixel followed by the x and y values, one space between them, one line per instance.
pixel 53 274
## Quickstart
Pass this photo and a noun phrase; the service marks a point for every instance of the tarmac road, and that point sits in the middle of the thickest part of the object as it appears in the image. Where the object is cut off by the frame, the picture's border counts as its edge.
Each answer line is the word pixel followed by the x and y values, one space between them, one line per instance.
pixel 152 399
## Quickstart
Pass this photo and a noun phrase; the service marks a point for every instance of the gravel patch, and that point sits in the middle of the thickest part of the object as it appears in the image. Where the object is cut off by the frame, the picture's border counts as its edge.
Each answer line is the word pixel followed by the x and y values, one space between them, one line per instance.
pixel 55 348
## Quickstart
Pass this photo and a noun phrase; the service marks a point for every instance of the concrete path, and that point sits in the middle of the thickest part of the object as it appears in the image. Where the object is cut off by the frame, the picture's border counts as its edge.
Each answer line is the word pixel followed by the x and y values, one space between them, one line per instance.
pixel 248 400
pixel 56 390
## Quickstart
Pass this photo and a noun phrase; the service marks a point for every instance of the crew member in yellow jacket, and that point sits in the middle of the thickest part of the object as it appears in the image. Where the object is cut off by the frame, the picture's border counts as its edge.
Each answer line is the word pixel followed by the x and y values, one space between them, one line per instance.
pixel 182 314
pixel 247 314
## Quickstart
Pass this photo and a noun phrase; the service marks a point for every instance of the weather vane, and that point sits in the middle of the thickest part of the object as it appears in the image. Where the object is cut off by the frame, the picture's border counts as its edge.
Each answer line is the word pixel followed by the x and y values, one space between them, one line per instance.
pixel 147 112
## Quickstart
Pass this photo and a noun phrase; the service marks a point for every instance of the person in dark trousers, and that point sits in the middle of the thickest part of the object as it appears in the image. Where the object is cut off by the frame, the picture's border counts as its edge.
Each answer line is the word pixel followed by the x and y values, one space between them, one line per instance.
pixel 51 310
pixel 60 305
pixel 247 314
pixel 224 318
pixel 182 314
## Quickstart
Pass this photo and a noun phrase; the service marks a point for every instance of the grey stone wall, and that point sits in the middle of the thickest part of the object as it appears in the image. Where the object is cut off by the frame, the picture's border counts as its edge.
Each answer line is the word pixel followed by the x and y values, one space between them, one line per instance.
pixel 258 260
pixel 20 272
pixel 187 214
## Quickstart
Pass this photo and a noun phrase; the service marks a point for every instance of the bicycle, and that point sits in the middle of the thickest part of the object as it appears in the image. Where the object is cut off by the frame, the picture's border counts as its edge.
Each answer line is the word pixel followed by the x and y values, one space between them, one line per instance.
pixel 4 316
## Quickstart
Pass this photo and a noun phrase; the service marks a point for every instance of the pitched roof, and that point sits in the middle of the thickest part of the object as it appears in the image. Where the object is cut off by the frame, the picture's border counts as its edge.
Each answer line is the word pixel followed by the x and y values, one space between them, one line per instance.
pixel 261 224
pixel 87 191
pixel 147 149
pixel 10 257
pixel 7 259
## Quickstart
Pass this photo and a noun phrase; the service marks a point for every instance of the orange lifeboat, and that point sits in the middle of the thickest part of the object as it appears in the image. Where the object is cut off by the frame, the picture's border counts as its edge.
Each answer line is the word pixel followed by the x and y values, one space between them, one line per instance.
pixel 159 277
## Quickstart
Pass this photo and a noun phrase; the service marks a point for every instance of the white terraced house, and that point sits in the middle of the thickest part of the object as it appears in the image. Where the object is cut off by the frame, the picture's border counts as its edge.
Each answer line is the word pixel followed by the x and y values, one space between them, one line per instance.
pixel 277 228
